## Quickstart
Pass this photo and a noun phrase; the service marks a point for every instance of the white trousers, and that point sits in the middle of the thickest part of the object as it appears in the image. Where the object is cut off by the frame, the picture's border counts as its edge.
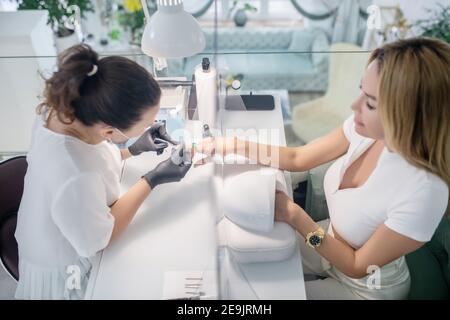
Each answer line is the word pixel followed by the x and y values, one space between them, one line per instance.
pixel 394 283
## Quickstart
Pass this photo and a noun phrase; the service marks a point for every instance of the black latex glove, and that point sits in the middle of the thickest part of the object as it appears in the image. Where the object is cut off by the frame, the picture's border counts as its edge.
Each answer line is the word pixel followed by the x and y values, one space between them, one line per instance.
pixel 170 170
pixel 155 138
pixel 158 130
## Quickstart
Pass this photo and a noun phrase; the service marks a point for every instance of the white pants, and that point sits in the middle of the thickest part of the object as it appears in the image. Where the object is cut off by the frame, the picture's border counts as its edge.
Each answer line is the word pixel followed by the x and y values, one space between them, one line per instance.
pixel 336 286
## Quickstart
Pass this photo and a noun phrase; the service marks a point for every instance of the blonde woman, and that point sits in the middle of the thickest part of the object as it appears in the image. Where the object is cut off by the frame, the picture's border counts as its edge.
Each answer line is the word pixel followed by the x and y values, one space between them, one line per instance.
pixel 389 187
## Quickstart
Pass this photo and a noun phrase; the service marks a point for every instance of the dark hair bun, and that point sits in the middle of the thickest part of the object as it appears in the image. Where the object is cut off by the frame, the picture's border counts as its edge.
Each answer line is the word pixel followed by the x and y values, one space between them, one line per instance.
pixel 113 90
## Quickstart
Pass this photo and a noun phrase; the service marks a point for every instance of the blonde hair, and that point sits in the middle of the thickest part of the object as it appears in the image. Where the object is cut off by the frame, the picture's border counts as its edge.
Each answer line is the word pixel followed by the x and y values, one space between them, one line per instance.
pixel 414 101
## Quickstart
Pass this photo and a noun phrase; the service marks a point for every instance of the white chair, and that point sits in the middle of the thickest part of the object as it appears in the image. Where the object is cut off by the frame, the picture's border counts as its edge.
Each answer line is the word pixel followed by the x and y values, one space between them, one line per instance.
pixel 316 118
pixel 313 119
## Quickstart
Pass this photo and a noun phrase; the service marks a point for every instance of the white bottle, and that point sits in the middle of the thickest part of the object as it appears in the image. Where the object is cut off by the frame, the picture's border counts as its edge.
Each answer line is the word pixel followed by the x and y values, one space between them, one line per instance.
pixel 206 87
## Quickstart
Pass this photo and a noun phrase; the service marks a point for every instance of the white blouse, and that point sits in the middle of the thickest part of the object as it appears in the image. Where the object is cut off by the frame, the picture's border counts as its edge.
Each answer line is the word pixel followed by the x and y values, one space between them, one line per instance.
pixel 64 216
pixel 408 200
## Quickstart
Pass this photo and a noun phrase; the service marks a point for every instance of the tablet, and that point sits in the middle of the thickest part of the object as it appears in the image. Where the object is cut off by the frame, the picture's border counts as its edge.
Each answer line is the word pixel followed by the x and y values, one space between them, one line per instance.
pixel 250 102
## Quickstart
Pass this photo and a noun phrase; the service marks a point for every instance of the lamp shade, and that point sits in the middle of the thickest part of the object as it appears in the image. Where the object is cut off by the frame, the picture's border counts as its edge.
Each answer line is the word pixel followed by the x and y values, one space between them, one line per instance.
pixel 171 32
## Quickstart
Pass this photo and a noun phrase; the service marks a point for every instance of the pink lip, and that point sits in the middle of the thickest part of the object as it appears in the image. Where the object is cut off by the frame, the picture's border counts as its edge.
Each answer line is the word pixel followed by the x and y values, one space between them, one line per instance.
pixel 359 123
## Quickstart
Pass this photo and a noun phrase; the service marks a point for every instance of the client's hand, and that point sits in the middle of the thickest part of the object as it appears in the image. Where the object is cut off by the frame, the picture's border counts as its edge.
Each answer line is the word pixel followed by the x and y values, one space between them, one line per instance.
pixel 210 146
pixel 285 208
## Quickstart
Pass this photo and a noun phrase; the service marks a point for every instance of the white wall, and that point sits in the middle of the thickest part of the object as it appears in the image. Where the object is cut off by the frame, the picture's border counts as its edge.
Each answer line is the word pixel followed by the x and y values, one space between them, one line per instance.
pixel 8 5
pixel 22 34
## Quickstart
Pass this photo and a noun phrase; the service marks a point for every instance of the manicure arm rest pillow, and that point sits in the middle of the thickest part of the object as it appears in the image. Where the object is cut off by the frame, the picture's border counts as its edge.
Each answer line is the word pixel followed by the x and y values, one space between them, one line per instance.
pixel 248 246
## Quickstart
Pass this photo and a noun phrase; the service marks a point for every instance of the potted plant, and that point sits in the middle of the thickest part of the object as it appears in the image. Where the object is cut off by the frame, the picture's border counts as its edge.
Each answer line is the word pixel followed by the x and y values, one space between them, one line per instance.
pixel 398 29
pixel 64 17
pixel 131 17
pixel 240 15
pixel 438 26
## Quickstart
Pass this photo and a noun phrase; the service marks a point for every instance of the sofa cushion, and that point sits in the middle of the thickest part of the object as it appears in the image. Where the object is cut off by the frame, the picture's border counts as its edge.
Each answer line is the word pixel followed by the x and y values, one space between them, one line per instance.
pixel 320 50
pixel 427 280
pixel 429 266
pixel 302 41
pixel 440 247
pixel 264 64
pixel 245 39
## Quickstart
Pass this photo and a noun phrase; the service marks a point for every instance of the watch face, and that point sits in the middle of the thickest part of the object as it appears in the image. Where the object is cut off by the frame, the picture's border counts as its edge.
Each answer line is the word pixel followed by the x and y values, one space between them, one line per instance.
pixel 315 240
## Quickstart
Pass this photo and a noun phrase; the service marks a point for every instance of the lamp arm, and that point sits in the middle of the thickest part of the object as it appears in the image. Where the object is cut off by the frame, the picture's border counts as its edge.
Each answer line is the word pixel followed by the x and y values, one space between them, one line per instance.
pixel 145 8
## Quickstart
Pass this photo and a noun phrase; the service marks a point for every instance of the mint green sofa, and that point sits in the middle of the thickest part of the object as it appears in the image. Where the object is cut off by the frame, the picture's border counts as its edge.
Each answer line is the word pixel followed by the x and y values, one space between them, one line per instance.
pixel 295 59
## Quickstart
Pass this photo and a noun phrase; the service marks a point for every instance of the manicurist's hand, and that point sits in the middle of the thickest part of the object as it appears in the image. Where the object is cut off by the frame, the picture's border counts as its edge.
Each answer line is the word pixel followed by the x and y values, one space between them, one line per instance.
pixel 159 131
pixel 155 139
pixel 171 170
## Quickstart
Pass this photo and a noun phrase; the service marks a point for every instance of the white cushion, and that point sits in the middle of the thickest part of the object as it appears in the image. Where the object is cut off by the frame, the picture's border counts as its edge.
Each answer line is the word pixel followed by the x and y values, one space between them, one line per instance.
pixel 254 207
pixel 251 247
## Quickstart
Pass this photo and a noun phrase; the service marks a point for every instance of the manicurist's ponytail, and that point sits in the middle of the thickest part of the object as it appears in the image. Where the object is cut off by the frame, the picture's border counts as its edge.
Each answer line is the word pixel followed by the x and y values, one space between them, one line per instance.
pixel 113 90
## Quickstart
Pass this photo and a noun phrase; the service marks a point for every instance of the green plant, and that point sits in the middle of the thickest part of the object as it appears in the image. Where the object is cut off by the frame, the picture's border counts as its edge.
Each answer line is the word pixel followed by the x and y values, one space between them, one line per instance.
pixel 61 13
pixel 438 26
pixel 114 34
pixel 131 17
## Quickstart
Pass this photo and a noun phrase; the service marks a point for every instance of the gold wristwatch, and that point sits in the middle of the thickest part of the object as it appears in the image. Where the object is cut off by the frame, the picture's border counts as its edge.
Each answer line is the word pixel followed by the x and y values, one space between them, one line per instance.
pixel 314 239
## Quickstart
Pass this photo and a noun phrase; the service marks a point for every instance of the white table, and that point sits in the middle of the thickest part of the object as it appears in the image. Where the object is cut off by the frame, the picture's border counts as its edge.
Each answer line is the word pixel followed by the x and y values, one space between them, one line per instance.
pixel 274 280
pixel 174 230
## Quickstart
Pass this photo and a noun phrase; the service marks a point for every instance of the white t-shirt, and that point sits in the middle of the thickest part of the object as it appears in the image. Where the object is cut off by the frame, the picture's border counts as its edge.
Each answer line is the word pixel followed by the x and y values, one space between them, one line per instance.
pixel 408 200
pixel 64 216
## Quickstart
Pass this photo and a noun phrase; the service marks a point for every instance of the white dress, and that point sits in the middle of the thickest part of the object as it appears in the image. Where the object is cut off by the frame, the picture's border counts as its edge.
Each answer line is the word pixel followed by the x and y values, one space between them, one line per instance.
pixel 64 216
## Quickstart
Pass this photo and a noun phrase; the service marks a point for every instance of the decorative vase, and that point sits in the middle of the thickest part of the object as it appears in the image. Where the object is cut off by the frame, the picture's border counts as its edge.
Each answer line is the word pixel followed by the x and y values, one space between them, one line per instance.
pixel 240 18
